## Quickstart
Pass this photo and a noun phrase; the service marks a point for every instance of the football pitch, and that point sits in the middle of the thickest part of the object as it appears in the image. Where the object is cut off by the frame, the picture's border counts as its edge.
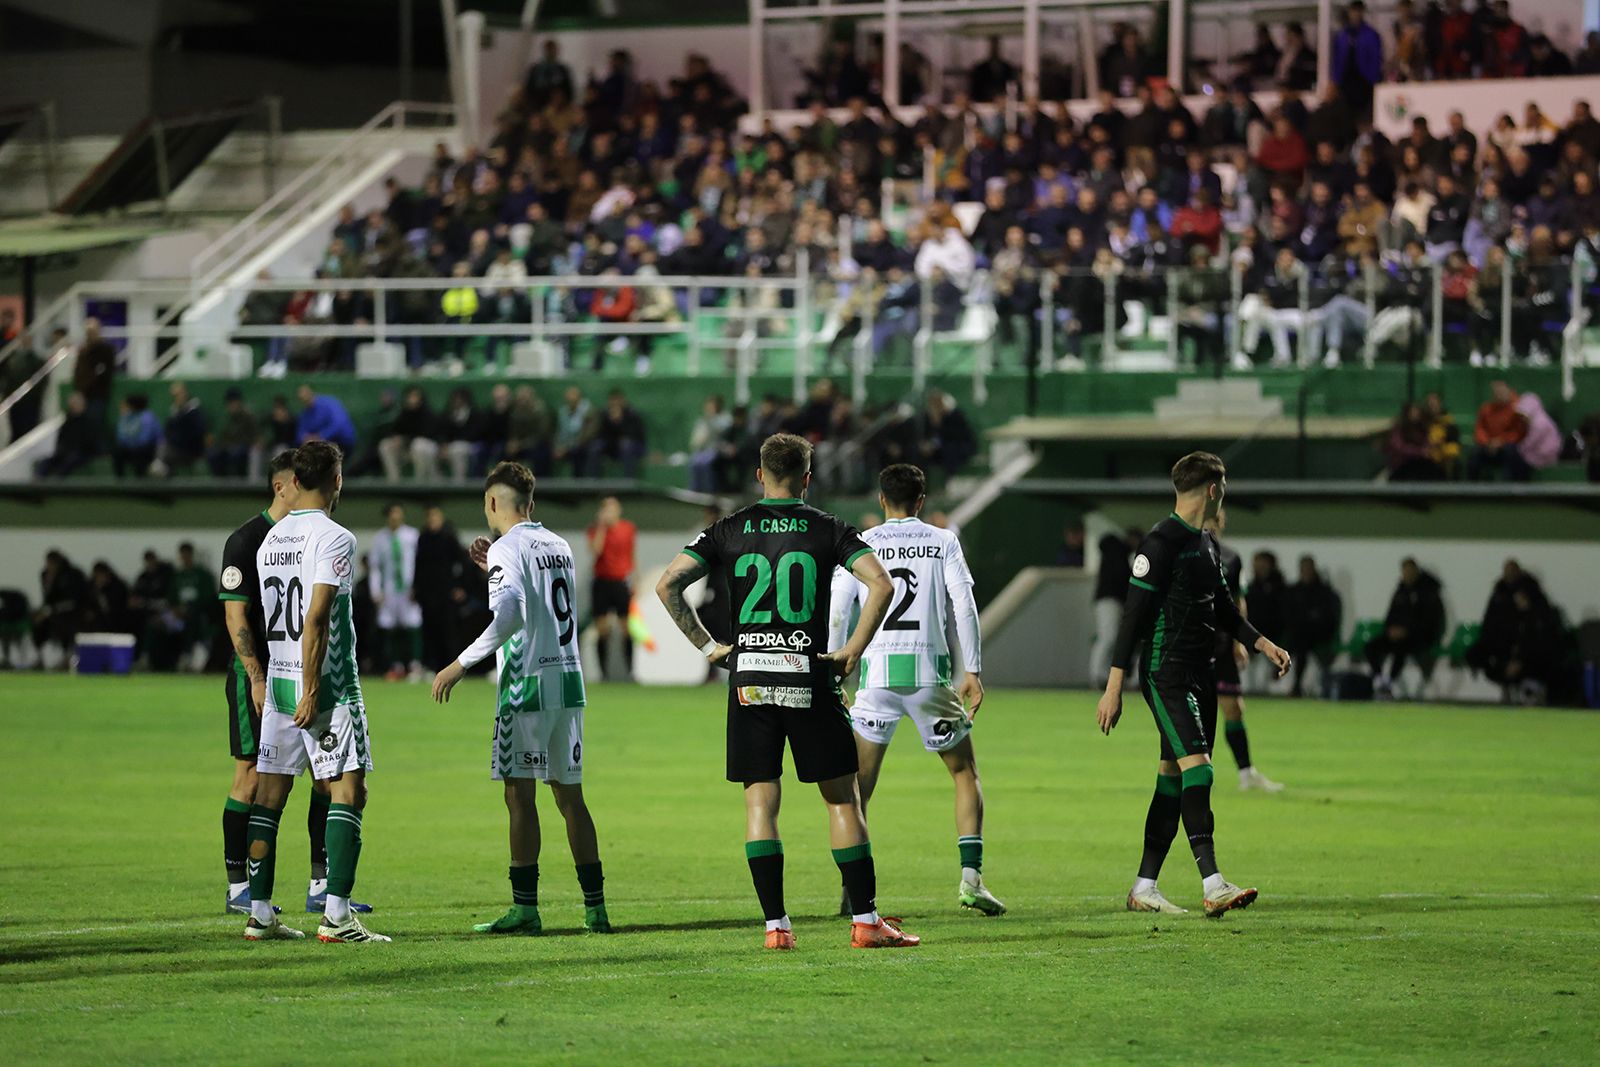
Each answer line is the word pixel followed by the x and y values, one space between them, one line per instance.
pixel 1430 893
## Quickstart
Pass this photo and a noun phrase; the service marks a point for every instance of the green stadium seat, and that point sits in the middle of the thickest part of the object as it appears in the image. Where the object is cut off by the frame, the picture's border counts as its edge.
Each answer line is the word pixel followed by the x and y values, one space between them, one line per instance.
pixel 1465 636
pixel 1365 632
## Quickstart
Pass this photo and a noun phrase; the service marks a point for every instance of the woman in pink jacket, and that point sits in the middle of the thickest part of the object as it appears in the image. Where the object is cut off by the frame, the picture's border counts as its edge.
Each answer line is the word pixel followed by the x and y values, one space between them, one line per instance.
pixel 1540 446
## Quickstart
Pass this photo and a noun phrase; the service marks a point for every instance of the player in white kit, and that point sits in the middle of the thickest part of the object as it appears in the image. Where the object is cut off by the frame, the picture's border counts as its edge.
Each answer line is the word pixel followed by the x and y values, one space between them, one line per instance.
pixel 908 668
pixel 392 575
pixel 538 734
pixel 313 715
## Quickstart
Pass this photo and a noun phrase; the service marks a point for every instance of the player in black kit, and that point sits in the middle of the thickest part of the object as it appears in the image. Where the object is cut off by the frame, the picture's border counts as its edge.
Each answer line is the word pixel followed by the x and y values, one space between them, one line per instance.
pixel 779 556
pixel 1231 656
pixel 239 589
pixel 1178 597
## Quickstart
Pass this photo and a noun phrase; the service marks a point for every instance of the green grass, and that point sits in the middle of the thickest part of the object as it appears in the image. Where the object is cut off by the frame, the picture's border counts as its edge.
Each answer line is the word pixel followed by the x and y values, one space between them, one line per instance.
pixel 1428 883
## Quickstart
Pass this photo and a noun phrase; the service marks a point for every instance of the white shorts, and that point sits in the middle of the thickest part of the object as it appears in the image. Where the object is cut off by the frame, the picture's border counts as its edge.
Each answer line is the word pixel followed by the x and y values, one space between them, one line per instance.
pixel 399 613
pixel 337 742
pixel 937 711
pixel 544 745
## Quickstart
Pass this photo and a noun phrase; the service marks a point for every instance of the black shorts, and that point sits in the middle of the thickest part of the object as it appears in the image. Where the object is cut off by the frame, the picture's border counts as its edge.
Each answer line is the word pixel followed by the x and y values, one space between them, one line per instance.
pixel 610 597
pixel 244 718
pixel 1185 710
pixel 820 739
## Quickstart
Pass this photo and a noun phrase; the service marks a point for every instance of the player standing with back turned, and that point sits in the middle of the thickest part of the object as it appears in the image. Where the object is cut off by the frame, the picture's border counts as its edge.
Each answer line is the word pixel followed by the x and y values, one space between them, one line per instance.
pixel 907 670
pixel 1177 598
pixel 779 555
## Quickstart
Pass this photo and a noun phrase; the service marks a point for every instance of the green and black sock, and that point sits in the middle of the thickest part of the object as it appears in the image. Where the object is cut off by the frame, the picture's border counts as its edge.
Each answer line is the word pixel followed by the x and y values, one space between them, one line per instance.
pixel 1239 742
pixel 766 871
pixel 317 833
pixel 1197 818
pixel 236 840
pixel 1160 824
pixel 344 849
pixel 263 871
pixel 860 877
pixel 525 885
pixel 414 638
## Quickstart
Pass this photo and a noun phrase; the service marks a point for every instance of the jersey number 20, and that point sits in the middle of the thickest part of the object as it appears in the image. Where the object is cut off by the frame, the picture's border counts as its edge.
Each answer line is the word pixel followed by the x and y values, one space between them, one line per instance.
pixel 752 613
pixel 288 606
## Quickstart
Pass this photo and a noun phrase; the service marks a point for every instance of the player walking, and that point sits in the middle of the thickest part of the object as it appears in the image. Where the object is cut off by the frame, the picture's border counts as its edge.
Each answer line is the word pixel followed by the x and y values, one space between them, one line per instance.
pixel 246 691
pixel 1177 598
pixel 907 669
pixel 392 576
pixel 539 711
pixel 778 555
pixel 313 713
pixel 1231 657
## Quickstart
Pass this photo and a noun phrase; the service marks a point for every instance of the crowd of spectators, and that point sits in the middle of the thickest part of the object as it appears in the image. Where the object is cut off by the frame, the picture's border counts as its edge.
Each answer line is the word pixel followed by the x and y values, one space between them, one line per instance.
pixel 1513 437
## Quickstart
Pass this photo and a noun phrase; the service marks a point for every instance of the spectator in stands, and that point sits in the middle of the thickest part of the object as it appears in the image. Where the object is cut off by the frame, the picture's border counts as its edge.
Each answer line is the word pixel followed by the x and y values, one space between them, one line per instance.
pixel 193 603
pixel 705 444
pixel 1540 446
pixel 232 448
pixel 324 418
pixel 1500 428
pixel 137 438
pixel 461 429
pixel 77 440
pixel 1444 436
pixel 1408 453
pixel 530 428
pixel 1504 45
pixel 1587 60
pixel 1282 154
pixel 548 80
pixel 59 617
pixel 1315 615
pixel 989 79
pixel 1014 275
pixel 1071 551
pixel 619 437
pixel 94 371
pixel 1520 641
pixel 948 440
pixel 1266 597
pixel 148 600
pixel 576 426
pixel 615 305
pixel 946 249
pixel 1110 591
pixel 1411 629
pixel 1357 60
pixel 282 429
pixel 15 373
pixel 183 437
pixel 415 435
pixel 440 584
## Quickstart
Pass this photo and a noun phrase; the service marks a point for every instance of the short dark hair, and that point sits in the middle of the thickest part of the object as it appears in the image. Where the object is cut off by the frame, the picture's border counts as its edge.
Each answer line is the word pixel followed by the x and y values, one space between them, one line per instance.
pixel 515 477
pixel 1197 469
pixel 316 465
pixel 283 461
pixel 903 484
pixel 786 457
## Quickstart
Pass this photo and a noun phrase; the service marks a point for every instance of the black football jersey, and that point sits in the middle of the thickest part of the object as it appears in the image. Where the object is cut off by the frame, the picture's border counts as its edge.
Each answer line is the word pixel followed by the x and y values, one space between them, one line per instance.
pixel 239 580
pixel 778 558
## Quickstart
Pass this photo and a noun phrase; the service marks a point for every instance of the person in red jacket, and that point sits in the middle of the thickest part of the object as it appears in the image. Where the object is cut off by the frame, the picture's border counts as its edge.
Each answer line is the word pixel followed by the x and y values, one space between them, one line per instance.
pixel 611 305
pixel 1199 221
pixel 1499 429
pixel 1283 152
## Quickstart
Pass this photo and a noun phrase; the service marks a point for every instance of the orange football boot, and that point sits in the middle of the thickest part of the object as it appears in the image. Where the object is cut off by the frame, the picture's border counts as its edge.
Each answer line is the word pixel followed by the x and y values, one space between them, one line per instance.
pixel 882 934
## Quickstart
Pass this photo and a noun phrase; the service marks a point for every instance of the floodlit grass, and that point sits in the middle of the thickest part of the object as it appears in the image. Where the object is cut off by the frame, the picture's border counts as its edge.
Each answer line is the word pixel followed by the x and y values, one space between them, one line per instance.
pixel 1430 893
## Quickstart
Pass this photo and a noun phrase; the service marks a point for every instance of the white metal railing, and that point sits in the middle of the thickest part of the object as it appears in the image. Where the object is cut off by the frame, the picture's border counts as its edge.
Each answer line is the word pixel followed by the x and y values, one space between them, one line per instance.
pixel 257 230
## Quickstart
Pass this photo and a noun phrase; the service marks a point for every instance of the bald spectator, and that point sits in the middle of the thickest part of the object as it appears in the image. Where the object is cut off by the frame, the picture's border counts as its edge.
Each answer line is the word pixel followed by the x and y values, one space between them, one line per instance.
pixel 1499 429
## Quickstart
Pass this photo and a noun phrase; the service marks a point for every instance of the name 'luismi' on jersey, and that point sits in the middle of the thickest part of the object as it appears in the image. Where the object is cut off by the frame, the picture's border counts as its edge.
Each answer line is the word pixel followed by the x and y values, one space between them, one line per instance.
pixel 933 613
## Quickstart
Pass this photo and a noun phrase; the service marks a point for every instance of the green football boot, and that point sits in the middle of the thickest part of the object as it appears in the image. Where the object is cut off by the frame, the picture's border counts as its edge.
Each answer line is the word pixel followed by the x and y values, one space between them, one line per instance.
pixel 521 919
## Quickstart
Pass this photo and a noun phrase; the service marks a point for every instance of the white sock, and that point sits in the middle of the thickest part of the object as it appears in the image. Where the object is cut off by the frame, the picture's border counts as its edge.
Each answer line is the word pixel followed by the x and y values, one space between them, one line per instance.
pixel 317 887
pixel 235 888
pixel 261 912
pixel 970 874
pixel 1212 882
pixel 870 918
pixel 778 924
pixel 338 909
pixel 1143 885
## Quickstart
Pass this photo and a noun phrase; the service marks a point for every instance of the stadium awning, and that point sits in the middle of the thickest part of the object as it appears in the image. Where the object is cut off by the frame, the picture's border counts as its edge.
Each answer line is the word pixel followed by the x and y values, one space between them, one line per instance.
pixel 51 235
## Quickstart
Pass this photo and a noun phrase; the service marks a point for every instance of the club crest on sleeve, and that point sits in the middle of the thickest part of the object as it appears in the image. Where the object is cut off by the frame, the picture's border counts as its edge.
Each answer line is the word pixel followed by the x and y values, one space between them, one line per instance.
pixel 231 578
pixel 1141 565
pixel 497 574
pixel 341 567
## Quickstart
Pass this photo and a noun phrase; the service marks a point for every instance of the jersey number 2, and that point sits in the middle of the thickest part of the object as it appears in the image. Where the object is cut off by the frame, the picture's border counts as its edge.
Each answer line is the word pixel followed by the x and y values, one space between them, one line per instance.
pixel 288 606
pixel 896 619
pixel 751 613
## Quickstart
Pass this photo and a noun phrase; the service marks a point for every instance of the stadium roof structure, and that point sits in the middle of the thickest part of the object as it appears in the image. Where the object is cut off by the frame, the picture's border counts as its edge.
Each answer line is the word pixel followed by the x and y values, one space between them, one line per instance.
pixel 153 159
pixel 52 235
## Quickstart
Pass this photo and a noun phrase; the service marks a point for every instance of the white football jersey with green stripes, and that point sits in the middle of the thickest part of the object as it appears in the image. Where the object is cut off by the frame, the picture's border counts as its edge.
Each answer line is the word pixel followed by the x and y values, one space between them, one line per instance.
pixel 535 626
pixel 392 562
pixel 304 550
pixel 932 616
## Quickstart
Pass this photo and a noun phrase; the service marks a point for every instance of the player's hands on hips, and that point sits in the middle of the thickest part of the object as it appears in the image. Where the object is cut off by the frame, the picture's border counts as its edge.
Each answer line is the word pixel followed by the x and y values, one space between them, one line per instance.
pixel 1109 710
pixel 719 655
pixel 971 693
pixel 305 712
pixel 446 680
pixel 480 552
pixel 1278 656
pixel 843 661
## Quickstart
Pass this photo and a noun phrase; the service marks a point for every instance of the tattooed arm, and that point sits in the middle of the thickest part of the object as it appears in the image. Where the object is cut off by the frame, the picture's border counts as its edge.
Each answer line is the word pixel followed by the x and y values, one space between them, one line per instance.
pixel 244 646
pixel 681 573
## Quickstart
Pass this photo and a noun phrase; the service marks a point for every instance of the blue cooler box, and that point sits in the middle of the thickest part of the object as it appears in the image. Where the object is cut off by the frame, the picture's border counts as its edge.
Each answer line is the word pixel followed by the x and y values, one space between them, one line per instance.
pixel 105 653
